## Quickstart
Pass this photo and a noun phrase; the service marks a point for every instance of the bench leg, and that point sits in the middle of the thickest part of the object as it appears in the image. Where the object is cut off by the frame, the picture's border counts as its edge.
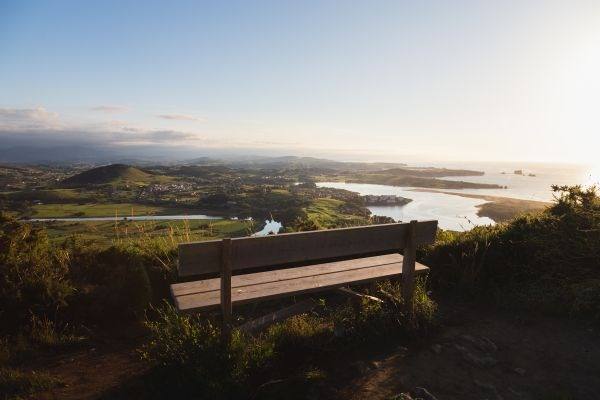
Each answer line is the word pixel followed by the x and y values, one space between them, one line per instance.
pixel 408 268
pixel 226 290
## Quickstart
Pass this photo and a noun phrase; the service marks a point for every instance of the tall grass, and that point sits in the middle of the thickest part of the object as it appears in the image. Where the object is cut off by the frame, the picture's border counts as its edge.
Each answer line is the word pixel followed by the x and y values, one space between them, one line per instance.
pixel 548 261
pixel 192 360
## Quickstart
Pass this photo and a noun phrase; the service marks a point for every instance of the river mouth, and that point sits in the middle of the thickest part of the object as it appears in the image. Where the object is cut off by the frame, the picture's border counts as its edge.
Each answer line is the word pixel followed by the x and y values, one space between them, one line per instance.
pixel 452 212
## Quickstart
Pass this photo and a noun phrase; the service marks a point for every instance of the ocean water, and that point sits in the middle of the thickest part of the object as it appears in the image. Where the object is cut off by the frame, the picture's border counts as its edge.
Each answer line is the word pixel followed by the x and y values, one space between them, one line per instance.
pixel 526 187
pixel 452 212
pixel 460 213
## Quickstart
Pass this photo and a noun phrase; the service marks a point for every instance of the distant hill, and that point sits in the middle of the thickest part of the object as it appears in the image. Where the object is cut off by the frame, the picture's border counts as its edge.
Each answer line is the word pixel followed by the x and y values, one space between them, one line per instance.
pixel 294 162
pixel 114 173
pixel 200 171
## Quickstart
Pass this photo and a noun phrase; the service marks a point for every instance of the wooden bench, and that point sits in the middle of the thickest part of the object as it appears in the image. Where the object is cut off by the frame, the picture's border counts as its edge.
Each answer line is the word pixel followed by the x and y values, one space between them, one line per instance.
pixel 297 263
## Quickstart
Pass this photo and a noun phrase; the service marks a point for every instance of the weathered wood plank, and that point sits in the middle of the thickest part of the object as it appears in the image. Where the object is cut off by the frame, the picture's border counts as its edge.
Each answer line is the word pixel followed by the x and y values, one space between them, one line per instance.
pixel 265 321
pixel 252 252
pixel 408 275
pixel 301 285
pixel 206 285
pixel 225 289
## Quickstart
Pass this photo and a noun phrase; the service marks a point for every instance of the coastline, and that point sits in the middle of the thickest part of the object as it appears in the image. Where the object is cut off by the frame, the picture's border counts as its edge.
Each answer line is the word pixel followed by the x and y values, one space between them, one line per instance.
pixel 497 208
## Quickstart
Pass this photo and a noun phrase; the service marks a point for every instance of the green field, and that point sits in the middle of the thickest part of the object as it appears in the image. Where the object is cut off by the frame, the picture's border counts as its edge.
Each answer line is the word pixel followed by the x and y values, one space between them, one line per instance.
pixel 328 213
pixel 96 210
pixel 111 232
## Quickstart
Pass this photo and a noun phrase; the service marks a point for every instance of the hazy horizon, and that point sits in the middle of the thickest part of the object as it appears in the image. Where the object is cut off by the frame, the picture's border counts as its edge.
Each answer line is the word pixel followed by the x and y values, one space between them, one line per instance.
pixel 379 81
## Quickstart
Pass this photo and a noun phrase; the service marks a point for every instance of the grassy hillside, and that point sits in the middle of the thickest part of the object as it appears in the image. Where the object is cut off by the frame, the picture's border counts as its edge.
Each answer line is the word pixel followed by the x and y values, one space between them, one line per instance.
pixel 111 174
pixel 51 294
pixel 549 261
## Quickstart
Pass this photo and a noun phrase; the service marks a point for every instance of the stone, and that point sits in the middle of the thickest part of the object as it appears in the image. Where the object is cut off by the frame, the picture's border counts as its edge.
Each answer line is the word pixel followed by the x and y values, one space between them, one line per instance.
pixel 482 343
pixel 475 360
pixel 402 396
pixel 375 364
pixel 488 387
pixel 519 371
pixel 436 348
pixel 424 394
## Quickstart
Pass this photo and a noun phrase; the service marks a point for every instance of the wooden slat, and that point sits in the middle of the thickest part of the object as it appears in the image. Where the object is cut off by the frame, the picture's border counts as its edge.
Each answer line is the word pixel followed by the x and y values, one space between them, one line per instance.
pixel 286 287
pixel 225 291
pixel 408 276
pixel 252 252
pixel 207 285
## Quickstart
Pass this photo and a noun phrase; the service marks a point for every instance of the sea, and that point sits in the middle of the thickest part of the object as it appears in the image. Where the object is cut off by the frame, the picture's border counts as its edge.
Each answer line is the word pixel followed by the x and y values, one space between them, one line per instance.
pixel 534 182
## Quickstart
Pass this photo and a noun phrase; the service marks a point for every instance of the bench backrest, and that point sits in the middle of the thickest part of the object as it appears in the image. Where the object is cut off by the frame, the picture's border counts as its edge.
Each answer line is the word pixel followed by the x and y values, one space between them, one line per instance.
pixel 201 258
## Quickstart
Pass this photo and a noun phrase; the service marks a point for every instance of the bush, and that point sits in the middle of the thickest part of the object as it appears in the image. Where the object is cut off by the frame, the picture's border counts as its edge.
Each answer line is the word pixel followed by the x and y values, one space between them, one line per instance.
pixel 114 283
pixel 15 383
pixel 33 275
pixel 548 261
pixel 189 351
pixel 388 320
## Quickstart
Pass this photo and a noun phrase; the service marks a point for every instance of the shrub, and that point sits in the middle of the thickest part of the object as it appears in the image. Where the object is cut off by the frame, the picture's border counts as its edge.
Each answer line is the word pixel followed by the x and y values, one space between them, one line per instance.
pixel 15 383
pixel 548 261
pixel 387 320
pixel 189 351
pixel 114 281
pixel 33 275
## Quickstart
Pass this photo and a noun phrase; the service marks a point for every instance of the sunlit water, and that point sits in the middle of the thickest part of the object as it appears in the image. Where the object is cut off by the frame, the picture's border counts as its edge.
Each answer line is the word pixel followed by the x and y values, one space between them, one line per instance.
pixel 525 187
pixel 271 227
pixel 460 213
pixel 452 212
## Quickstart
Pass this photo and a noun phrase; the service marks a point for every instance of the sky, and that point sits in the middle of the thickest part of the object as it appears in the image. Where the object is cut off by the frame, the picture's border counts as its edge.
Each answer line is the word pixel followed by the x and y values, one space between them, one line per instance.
pixel 384 80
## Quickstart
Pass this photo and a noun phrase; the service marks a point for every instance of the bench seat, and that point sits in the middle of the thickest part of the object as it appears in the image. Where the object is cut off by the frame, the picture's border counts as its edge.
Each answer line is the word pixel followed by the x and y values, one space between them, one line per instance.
pixel 206 294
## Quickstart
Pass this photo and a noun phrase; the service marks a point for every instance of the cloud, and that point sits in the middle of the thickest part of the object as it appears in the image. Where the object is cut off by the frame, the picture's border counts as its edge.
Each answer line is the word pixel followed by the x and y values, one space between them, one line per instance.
pixel 181 117
pixel 110 109
pixel 28 118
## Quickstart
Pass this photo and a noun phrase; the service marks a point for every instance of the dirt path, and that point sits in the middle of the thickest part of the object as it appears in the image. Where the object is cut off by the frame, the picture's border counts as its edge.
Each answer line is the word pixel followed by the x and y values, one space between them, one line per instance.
pixel 476 355
pixel 491 356
pixel 92 371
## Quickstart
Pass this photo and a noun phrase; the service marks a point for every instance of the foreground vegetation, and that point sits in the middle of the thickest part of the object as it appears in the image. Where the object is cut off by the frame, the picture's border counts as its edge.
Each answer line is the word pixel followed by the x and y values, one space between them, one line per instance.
pixel 58 294
pixel 548 261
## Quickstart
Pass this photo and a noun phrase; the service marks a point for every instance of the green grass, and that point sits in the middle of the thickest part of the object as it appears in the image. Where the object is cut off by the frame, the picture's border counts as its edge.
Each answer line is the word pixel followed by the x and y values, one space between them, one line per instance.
pixel 95 210
pixel 107 232
pixel 49 195
pixel 328 213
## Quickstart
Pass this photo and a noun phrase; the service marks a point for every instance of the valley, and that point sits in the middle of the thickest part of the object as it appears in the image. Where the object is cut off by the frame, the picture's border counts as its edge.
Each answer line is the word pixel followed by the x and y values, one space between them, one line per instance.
pixel 240 195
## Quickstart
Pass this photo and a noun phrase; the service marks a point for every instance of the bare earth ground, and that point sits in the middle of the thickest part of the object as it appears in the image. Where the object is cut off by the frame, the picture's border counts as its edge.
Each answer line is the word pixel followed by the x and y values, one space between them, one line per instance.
pixel 479 356
pixel 475 355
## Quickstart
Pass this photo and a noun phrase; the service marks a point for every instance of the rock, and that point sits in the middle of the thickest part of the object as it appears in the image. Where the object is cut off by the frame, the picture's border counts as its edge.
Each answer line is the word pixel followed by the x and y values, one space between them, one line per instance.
pixel 375 364
pixel 482 343
pixel 490 345
pixel 489 387
pixel 402 396
pixel 475 360
pixel 424 394
pixel 516 393
pixel 519 371
pixel 436 348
